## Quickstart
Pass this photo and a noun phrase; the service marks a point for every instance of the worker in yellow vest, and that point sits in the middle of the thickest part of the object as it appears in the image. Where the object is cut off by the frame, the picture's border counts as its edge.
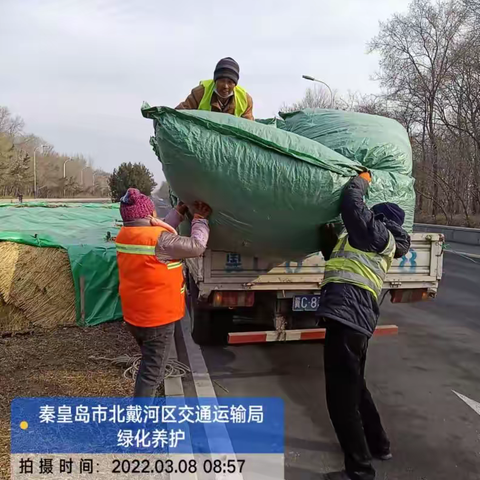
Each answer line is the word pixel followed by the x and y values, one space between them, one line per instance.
pixel 357 263
pixel 222 94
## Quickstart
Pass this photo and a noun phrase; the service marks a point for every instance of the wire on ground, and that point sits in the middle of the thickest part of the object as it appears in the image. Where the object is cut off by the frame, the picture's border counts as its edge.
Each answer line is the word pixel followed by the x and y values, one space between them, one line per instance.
pixel 174 368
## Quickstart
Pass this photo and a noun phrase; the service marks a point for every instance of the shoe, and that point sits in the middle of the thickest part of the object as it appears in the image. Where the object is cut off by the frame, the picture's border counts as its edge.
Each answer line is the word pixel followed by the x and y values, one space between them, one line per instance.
pixel 337 476
pixel 383 456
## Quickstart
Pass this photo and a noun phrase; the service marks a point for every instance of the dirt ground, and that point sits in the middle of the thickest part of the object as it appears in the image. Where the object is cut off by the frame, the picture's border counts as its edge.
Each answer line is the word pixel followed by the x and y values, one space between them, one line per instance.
pixel 57 363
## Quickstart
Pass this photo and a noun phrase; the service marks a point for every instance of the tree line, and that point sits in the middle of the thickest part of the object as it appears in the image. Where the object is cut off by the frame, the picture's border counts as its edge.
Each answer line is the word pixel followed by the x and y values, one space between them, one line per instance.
pixel 55 175
pixel 429 75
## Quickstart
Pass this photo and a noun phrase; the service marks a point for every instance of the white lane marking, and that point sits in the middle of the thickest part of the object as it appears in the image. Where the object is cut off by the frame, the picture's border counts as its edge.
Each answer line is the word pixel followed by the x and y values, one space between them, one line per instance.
pixel 468 256
pixel 475 406
pixel 174 389
pixel 204 388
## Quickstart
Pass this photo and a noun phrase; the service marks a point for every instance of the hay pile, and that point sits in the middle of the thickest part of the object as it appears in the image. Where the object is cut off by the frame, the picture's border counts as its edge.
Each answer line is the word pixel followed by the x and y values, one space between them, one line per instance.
pixel 36 288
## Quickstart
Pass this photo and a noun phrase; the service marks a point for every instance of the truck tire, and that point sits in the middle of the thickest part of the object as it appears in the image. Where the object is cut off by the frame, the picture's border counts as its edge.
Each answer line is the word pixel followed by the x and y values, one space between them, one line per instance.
pixel 208 327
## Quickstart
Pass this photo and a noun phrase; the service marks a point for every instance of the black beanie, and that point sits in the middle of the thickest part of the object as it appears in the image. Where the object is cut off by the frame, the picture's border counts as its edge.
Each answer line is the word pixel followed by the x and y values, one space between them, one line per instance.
pixel 391 211
pixel 227 68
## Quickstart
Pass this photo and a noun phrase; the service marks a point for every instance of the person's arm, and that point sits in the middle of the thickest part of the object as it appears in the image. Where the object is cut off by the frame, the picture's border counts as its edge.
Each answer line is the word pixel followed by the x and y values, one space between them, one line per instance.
pixel 176 215
pixel 175 247
pixel 402 238
pixel 249 111
pixel 364 232
pixel 193 100
pixel 328 240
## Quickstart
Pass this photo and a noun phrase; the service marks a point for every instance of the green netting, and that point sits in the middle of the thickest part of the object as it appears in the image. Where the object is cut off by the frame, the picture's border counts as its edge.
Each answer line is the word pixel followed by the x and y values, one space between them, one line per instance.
pixel 270 189
pixel 85 232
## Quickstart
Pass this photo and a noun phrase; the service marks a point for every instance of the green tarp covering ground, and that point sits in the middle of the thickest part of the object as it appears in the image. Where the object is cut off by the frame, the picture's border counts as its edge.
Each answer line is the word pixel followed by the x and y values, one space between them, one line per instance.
pixel 271 185
pixel 83 230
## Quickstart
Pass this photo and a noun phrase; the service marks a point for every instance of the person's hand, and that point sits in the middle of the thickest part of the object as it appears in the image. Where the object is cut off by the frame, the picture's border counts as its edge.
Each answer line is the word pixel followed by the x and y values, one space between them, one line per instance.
pixel 155 222
pixel 201 210
pixel 366 176
pixel 181 208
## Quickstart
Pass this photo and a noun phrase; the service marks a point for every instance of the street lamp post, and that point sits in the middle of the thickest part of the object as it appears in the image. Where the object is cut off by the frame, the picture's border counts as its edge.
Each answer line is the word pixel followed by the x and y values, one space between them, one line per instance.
pixel 35 169
pixel 81 175
pixel 93 180
pixel 65 174
pixel 313 79
pixel 64 167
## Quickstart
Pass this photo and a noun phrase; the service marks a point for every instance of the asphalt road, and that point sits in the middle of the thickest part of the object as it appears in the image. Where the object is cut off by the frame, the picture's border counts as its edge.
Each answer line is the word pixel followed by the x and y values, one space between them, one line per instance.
pixel 434 434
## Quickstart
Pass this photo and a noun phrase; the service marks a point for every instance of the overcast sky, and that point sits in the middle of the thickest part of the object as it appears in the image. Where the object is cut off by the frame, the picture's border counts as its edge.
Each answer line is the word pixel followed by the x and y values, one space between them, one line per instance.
pixel 77 71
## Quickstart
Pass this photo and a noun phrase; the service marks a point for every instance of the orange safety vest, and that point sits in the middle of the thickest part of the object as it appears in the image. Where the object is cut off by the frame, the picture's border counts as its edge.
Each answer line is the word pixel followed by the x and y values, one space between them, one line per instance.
pixel 152 292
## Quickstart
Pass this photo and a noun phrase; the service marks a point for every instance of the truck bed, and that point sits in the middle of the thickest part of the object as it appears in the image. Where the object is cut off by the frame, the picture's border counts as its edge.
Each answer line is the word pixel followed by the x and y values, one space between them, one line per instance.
pixel 216 270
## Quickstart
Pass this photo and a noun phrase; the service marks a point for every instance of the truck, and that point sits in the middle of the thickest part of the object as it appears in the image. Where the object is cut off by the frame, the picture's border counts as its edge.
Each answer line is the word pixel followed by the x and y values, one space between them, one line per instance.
pixel 278 301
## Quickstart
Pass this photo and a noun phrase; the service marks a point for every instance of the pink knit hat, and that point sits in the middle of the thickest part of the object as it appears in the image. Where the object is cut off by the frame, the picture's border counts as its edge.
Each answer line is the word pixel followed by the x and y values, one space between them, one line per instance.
pixel 135 205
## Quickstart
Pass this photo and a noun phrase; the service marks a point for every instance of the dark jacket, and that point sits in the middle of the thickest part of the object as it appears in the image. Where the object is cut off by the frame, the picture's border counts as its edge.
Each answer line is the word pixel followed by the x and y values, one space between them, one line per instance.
pixel 349 304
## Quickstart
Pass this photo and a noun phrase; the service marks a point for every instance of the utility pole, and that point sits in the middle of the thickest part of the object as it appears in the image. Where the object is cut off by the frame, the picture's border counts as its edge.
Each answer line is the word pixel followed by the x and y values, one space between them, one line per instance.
pixel 65 174
pixel 35 169
pixel 81 174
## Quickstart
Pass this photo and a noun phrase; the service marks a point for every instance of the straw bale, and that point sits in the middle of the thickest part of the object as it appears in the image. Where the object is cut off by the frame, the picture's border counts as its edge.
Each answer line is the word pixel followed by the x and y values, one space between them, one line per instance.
pixel 36 288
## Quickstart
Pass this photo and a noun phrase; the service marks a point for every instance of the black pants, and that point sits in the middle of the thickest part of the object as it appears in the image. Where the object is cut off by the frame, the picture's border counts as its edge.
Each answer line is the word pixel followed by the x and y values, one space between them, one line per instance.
pixel 154 343
pixel 350 405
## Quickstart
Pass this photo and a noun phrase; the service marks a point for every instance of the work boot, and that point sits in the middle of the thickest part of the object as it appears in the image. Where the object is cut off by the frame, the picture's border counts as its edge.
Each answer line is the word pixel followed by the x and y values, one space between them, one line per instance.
pixel 337 476
pixel 384 456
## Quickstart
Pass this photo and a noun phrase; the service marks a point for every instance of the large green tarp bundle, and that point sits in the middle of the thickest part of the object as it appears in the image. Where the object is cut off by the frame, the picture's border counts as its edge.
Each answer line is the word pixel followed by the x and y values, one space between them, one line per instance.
pixel 85 231
pixel 269 185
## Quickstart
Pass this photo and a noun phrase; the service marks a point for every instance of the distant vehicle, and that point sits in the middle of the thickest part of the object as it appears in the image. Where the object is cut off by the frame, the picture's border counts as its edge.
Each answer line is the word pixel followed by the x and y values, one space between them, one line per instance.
pixel 161 206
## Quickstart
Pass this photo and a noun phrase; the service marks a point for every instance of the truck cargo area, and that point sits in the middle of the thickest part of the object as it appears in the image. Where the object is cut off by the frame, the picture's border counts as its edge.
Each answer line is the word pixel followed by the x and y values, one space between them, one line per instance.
pixel 243 299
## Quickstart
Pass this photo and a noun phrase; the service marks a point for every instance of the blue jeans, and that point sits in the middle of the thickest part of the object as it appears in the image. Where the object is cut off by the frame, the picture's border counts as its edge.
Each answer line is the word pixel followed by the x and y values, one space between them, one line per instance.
pixel 155 344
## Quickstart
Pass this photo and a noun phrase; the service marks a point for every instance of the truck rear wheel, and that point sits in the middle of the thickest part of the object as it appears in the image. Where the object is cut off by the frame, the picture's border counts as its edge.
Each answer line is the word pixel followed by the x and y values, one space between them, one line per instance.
pixel 208 327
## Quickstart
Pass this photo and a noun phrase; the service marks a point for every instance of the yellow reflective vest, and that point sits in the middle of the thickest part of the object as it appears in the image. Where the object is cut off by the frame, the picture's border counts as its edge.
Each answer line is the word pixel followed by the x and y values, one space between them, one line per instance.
pixel 241 100
pixel 366 270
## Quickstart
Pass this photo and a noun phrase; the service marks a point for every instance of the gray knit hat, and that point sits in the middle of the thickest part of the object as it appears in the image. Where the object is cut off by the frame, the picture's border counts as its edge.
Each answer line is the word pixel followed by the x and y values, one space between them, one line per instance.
pixel 227 68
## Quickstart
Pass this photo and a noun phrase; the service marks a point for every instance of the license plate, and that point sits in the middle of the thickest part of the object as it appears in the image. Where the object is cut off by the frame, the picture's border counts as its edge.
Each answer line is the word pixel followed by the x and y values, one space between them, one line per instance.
pixel 305 303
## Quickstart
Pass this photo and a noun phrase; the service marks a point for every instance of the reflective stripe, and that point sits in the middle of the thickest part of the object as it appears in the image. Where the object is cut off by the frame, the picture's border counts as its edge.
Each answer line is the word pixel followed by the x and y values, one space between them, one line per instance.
pixel 339 276
pixel 391 247
pixel 364 260
pixel 135 249
pixel 173 265
pixel 182 290
pixel 364 269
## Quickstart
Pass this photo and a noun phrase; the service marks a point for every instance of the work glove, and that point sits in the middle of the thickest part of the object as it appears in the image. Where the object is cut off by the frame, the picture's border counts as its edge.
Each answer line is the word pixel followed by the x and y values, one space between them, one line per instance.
pixel 366 176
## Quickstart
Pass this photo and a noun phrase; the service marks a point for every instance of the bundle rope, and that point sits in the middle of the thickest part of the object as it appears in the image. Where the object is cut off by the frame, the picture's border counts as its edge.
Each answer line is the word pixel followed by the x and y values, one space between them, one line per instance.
pixel 174 368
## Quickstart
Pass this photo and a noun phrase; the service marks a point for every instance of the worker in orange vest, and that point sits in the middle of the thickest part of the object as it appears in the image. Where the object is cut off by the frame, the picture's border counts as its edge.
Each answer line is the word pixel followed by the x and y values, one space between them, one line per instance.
pixel 152 286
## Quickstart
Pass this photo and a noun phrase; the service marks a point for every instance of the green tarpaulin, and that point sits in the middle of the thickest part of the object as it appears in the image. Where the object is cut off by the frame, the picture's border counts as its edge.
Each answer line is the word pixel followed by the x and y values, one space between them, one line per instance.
pixel 84 231
pixel 270 188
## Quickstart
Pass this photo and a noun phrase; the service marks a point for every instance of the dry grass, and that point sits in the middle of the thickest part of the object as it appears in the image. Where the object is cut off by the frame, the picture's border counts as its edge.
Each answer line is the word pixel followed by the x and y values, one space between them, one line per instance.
pixel 57 363
pixel 36 288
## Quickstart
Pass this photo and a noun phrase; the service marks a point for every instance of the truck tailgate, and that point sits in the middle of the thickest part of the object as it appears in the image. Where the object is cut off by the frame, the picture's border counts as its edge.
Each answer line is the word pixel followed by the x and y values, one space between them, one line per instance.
pixel 420 268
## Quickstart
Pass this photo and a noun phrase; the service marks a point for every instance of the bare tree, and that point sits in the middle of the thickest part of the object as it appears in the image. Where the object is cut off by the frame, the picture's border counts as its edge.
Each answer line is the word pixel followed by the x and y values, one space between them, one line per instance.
pixel 16 165
pixel 418 58
pixel 316 97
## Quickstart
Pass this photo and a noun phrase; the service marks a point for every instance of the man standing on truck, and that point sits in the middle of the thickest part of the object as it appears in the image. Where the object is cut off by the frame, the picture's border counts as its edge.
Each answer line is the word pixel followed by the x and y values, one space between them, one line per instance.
pixel 357 263
pixel 152 286
pixel 222 94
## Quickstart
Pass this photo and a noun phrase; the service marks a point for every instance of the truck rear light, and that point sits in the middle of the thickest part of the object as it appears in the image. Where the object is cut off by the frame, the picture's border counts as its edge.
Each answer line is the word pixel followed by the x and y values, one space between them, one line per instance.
pixel 233 299
pixel 410 295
